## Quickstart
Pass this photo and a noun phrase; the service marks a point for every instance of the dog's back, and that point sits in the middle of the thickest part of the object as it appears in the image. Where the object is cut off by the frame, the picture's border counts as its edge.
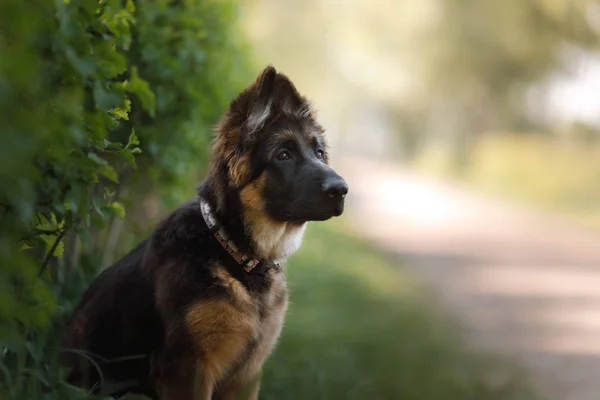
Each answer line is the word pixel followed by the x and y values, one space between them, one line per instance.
pixel 129 331
pixel 109 340
pixel 116 332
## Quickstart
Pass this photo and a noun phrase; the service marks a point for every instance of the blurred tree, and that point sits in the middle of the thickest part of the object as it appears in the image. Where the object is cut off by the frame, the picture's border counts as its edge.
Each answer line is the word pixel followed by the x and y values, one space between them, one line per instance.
pixel 446 69
pixel 481 57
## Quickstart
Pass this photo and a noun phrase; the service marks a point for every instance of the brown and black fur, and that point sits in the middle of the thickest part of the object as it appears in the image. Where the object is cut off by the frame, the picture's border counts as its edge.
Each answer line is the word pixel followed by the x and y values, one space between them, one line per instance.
pixel 178 318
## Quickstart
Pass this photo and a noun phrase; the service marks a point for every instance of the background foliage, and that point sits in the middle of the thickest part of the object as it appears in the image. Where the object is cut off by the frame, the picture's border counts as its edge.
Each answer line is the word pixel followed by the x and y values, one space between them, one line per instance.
pixel 102 105
pixel 377 333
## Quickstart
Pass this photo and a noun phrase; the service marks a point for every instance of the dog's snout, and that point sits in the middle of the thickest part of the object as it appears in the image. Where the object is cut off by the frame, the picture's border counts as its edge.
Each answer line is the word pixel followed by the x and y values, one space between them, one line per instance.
pixel 335 187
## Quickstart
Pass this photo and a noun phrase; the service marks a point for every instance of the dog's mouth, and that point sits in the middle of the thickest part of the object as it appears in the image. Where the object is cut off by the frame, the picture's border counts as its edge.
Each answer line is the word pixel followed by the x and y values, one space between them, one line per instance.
pixel 291 218
pixel 320 215
pixel 339 209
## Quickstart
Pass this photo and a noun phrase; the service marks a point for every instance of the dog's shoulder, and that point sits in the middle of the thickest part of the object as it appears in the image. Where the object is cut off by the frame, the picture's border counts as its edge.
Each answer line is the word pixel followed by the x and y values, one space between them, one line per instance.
pixel 181 232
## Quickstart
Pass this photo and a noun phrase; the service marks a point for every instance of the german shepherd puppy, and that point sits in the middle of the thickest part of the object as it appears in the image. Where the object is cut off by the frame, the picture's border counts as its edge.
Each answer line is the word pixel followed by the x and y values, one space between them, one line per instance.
pixel 194 311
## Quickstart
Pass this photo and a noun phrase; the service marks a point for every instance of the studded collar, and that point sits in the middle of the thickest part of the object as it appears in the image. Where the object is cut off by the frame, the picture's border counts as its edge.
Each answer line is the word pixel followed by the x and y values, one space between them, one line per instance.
pixel 247 262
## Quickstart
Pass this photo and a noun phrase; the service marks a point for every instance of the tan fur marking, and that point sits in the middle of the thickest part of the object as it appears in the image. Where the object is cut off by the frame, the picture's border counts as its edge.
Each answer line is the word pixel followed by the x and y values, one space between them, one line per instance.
pixel 221 332
pixel 290 135
pixel 275 304
pixel 273 240
pixel 238 169
pixel 271 327
pixel 238 292
pixel 252 196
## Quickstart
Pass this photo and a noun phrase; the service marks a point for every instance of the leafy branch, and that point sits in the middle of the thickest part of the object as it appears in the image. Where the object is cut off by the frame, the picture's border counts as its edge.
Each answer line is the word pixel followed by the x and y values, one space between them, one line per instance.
pixel 52 250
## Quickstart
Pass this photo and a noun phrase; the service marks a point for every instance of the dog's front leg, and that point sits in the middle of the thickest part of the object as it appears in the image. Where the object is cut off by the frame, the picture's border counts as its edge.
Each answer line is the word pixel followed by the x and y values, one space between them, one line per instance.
pixel 180 375
pixel 185 383
pixel 180 372
pixel 238 391
pixel 253 392
pixel 250 393
pixel 220 331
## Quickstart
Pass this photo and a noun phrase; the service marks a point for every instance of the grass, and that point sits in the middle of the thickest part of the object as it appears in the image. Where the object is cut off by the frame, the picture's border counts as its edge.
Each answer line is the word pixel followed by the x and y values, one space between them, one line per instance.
pixel 359 327
pixel 551 174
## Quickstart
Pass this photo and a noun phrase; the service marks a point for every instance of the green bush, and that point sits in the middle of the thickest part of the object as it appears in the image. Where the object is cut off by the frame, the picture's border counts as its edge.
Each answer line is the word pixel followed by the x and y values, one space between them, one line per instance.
pixel 90 90
pixel 196 63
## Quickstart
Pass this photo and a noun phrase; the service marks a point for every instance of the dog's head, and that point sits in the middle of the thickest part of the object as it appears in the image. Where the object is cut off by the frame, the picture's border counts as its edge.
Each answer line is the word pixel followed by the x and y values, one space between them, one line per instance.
pixel 274 153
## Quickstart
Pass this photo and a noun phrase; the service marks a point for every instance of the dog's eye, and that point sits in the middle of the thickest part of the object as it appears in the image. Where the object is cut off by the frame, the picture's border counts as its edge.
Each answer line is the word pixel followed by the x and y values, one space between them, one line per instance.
pixel 320 154
pixel 284 155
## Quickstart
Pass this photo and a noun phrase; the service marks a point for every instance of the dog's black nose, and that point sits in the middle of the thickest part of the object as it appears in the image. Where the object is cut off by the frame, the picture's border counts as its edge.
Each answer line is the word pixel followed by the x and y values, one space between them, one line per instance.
pixel 336 188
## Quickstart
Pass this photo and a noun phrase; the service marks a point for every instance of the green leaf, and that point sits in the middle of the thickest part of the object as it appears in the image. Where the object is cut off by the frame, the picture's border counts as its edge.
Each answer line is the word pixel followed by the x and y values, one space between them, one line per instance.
pixel 118 209
pixel 97 159
pixel 105 98
pixel 123 111
pixel 120 113
pixel 130 6
pixel 59 251
pixel 141 89
pixel 109 172
pixel 119 21
pixel 99 123
pixel 49 242
pixel 90 7
pixel 129 157
pixel 133 139
pixel 112 145
pixel 46 224
pixel 85 66
pixel 109 60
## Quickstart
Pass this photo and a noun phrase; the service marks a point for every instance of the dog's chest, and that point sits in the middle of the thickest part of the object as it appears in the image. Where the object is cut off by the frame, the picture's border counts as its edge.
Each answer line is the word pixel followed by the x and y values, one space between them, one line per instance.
pixel 270 314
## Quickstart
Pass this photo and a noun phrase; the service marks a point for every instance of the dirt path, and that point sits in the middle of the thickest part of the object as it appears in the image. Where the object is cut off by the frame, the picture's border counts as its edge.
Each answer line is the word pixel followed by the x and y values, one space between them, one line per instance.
pixel 525 285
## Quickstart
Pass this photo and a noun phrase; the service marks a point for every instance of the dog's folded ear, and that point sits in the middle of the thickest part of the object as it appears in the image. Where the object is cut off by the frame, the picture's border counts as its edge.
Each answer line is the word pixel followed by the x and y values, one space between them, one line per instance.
pixel 272 93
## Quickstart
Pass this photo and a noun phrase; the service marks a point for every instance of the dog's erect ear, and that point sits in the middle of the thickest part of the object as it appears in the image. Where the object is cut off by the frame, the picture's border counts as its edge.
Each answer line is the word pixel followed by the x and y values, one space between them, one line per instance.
pixel 273 92
pixel 285 95
pixel 262 102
